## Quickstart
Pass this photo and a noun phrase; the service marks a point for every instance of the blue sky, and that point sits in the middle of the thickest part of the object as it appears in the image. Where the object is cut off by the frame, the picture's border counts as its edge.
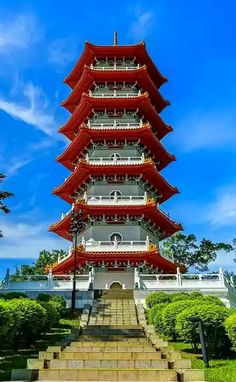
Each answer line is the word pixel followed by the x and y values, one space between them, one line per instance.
pixel 191 42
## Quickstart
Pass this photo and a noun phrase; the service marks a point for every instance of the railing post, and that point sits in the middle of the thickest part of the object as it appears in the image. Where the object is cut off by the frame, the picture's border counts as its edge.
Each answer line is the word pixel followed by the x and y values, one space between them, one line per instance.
pixel 221 276
pixel 145 197
pixel 142 158
pixel 178 277
pixel 50 279
pixel 85 197
pixel 83 241
pixel 147 242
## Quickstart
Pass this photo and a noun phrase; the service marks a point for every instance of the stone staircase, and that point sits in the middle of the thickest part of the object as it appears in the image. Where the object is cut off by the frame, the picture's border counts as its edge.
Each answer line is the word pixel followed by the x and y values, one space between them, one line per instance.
pixel 115 344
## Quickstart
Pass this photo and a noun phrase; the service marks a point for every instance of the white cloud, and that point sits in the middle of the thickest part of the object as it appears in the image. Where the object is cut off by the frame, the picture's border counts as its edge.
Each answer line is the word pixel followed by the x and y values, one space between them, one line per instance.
pixel 222 212
pixel 16 166
pixel 18 32
pixel 200 130
pixel 62 52
pixel 35 111
pixel 140 27
pixel 23 240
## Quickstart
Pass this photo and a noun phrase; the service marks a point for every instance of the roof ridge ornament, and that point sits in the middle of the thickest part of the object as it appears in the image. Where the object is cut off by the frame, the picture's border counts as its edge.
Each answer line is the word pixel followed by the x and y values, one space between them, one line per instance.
pixel 115 38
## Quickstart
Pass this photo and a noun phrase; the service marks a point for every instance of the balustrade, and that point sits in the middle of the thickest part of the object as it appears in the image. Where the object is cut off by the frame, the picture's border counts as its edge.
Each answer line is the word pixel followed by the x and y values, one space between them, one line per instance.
pixel 115 125
pixel 114 94
pixel 115 160
pixel 115 199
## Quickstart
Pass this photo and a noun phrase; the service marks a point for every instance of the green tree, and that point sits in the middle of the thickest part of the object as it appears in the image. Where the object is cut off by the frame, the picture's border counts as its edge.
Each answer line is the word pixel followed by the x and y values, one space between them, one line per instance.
pixel 4 195
pixel 46 259
pixel 185 249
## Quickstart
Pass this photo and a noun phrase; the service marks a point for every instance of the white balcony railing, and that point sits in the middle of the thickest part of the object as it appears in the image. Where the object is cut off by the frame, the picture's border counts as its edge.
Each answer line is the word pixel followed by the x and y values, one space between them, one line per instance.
pixel 122 200
pixel 115 160
pixel 115 125
pixel 114 94
pixel 115 67
pixel 115 246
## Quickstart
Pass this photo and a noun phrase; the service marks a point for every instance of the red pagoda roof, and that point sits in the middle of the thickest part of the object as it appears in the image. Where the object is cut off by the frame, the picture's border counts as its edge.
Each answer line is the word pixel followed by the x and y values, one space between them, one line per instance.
pixel 151 257
pixel 91 51
pixel 148 211
pixel 86 135
pixel 87 104
pixel 89 76
pixel 84 170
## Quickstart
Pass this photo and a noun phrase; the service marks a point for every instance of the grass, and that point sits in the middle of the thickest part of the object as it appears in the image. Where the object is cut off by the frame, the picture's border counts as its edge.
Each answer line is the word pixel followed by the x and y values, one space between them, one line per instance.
pixel 221 370
pixel 17 360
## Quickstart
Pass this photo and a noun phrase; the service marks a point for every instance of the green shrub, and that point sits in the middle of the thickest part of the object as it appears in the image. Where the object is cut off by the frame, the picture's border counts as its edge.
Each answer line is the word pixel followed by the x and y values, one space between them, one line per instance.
pixel 12 295
pixel 155 316
pixel 53 316
pixel 59 301
pixel 30 319
pixel 212 316
pixel 7 322
pixel 153 311
pixel 169 315
pixel 43 297
pixel 180 296
pixel 230 326
pixel 157 298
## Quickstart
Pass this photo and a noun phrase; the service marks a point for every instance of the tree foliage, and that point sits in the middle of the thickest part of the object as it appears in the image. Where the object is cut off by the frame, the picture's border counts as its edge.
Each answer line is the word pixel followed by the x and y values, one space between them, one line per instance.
pixel 185 249
pixel 46 259
pixel 4 195
pixel 157 298
pixel 213 317
pixel 230 326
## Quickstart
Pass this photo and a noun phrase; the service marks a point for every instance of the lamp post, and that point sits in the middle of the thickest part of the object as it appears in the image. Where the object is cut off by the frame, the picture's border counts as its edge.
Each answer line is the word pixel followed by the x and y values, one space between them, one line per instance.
pixel 198 321
pixel 74 229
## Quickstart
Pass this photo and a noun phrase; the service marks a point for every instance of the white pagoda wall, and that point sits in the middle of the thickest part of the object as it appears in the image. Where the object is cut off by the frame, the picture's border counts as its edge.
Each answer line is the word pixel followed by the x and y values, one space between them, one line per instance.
pixel 103 280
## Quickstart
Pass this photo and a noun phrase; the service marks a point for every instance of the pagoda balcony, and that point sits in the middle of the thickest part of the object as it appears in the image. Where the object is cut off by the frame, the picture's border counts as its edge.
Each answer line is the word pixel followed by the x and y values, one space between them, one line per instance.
pixel 122 200
pixel 115 94
pixel 110 246
pixel 115 160
pixel 114 66
pixel 115 125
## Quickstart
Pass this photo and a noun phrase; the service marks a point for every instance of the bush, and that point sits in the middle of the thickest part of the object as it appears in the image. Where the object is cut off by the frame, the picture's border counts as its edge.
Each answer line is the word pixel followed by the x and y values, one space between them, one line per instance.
pixel 7 322
pixel 30 319
pixel 43 297
pixel 169 315
pixel 12 295
pixel 157 298
pixel 60 302
pixel 53 316
pixel 180 296
pixel 230 326
pixel 212 316
pixel 151 313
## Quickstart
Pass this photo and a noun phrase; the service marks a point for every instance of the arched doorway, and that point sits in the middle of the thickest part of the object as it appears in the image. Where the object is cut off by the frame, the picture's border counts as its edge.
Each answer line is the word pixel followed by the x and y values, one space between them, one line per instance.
pixel 117 237
pixel 116 285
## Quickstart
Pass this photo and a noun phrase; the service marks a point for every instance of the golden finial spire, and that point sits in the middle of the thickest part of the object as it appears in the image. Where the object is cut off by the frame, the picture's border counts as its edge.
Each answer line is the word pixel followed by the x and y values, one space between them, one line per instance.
pixel 115 38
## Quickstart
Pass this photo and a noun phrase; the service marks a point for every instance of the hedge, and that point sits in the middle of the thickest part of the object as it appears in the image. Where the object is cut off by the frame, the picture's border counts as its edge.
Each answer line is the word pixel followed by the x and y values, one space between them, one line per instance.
pixel 53 315
pixel 12 295
pixel 59 301
pixel 169 315
pixel 230 326
pixel 157 298
pixel 213 317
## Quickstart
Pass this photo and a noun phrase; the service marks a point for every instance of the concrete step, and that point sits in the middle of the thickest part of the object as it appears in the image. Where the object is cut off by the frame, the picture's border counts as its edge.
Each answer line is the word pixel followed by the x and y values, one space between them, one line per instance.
pixel 110 356
pixel 109 375
pixel 109 343
pixel 107 364
pixel 111 349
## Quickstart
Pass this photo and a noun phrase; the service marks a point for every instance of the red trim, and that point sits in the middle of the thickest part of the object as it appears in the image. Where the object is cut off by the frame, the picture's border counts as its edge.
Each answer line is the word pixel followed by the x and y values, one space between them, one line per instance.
pixel 83 170
pixel 87 103
pixel 91 51
pixel 149 211
pixel 90 75
pixel 86 135
pixel 152 258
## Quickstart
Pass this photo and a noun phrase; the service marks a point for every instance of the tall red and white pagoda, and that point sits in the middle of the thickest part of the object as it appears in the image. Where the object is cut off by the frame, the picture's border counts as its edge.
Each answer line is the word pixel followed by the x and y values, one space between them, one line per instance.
pixel 115 157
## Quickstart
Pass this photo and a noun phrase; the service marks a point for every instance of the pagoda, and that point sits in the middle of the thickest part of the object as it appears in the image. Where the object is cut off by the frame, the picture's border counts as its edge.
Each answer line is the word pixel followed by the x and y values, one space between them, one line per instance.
pixel 115 157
